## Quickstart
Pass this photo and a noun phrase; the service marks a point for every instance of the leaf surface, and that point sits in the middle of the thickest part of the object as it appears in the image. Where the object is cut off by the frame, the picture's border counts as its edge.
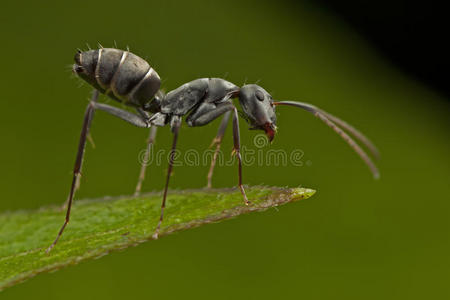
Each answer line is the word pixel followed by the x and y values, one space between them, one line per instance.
pixel 99 226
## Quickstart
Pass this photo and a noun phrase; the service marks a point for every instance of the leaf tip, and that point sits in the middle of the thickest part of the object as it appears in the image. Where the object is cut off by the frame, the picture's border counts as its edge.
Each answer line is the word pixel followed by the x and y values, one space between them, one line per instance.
pixel 301 193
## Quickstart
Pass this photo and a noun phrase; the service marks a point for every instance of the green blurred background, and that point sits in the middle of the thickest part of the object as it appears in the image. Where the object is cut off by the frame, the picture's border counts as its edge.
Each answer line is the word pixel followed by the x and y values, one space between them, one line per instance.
pixel 356 239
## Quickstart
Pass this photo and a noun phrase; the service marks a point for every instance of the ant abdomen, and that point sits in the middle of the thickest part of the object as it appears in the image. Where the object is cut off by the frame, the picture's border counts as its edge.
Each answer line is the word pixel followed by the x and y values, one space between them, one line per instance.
pixel 119 74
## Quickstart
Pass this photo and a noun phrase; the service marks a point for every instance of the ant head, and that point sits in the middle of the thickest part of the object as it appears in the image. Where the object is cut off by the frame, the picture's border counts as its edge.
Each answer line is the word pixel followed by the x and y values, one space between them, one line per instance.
pixel 258 108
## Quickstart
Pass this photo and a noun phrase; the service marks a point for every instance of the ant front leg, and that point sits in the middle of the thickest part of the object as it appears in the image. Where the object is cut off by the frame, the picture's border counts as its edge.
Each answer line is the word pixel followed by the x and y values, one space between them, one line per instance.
pixel 206 113
pixel 237 151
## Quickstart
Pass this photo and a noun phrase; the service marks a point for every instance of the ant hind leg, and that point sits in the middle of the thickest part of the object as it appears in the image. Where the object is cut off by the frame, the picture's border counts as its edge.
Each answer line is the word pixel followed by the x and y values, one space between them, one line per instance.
pixel 88 116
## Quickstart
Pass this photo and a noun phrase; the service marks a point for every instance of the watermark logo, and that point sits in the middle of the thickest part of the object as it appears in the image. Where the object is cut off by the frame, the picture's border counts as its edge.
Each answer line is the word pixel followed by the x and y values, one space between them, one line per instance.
pixel 261 154
pixel 260 141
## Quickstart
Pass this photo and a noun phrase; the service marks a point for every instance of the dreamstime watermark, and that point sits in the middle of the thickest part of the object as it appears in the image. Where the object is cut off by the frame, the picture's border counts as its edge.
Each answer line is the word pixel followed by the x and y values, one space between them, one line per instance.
pixel 250 156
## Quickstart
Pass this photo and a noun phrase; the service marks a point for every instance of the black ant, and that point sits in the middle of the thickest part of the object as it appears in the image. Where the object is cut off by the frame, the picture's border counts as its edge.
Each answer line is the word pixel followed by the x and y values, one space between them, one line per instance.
pixel 129 79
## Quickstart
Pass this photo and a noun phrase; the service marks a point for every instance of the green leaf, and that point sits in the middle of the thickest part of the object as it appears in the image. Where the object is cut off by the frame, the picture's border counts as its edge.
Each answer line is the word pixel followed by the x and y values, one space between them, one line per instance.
pixel 100 226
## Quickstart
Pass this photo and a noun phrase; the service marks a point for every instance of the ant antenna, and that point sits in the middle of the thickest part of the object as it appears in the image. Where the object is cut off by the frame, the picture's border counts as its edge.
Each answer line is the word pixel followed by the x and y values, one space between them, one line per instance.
pixel 330 120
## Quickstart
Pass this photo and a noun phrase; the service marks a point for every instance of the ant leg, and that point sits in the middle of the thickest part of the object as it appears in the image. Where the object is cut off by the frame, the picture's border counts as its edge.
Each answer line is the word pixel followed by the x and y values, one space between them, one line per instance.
pixel 144 162
pixel 175 124
pixel 236 151
pixel 91 140
pixel 88 116
pixel 206 113
pixel 217 141
pixel 131 118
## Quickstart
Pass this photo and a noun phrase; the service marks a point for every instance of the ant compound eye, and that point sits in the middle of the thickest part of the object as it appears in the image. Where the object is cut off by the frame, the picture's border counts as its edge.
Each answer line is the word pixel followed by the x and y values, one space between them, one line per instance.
pixel 259 95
